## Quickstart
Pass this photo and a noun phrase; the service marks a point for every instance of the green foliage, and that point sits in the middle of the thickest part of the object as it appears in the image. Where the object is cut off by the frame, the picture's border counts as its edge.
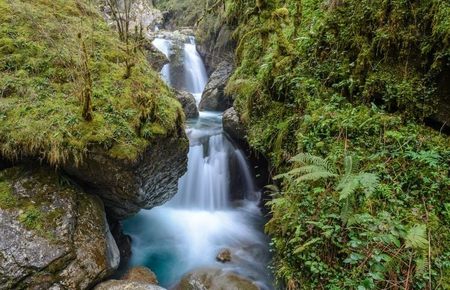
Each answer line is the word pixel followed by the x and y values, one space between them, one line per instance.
pixel 182 12
pixel 7 200
pixel 41 85
pixel 349 76
pixel 31 218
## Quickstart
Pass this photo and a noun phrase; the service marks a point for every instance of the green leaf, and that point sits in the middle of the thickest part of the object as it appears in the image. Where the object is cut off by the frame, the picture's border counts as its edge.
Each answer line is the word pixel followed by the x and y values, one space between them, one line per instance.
pixel 416 237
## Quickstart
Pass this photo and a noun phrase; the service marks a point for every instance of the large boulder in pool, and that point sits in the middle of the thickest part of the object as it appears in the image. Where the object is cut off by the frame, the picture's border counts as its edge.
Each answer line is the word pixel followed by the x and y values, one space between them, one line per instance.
pixel 188 103
pixel 128 285
pixel 214 279
pixel 53 235
pixel 214 97
pixel 128 186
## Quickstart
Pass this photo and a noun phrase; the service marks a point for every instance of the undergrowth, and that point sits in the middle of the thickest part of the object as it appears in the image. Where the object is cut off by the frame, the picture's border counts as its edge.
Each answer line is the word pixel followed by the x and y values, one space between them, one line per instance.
pixel 338 81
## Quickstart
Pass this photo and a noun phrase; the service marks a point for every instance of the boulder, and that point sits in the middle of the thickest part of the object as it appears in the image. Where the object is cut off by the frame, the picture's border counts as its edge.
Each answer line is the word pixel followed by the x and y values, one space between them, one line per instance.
pixel 224 256
pixel 214 97
pixel 141 274
pixel 128 186
pixel 214 279
pixel 188 103
pixel 126 285
pixel 155 58
pixel 233 126
pixel 53 236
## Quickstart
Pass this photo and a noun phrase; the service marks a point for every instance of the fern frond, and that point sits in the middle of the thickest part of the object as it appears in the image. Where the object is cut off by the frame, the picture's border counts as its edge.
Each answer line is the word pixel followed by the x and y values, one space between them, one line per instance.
pixel 416 237
pixel 347 186
pixel 351 164
pixel 307 169
pixel 351 182
pixel 369 182
pixel 309 159
pixel 315 176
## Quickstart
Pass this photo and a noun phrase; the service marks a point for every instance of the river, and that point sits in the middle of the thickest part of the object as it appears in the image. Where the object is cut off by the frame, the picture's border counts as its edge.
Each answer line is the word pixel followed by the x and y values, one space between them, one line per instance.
pixel 202 219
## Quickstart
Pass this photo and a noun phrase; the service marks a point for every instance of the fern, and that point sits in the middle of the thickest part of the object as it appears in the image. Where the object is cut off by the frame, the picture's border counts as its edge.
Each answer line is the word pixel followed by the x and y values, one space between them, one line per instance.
pixel 309 159
pixel 313 169
pixel 353 180
pixel 416 237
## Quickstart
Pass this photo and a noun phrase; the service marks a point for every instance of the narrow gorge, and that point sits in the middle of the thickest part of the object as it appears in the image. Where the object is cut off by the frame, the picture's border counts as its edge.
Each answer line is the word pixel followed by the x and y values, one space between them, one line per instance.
pixel 224 144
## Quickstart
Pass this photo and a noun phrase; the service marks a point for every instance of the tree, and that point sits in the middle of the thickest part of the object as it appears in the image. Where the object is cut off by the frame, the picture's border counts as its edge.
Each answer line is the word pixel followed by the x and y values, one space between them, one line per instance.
pixel 121 13
pixel 86 92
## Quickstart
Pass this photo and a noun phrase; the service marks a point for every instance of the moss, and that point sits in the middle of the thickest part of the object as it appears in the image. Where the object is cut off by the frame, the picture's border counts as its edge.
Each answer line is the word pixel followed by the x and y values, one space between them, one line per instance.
pixel 40 84
pixel 31 217
pixel 7 199
pixel 36 210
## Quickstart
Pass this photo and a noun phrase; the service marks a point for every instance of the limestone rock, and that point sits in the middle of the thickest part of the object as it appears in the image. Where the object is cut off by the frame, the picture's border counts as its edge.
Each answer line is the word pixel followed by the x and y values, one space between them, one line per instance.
pixel 128 186
pixel 126 285
pixel 53 236
pixel 141 274
pixel 214 97
pixel 187 100
pixel 232 125
pixel 214 279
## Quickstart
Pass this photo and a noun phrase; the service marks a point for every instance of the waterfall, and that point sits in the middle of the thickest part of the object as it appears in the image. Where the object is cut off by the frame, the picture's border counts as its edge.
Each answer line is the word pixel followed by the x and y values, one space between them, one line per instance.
pixel 189 231
pixel 195 71
pixel 165 46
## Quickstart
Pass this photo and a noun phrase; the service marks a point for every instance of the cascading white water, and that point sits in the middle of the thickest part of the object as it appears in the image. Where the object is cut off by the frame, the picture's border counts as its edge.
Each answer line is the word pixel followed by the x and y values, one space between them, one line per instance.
pixel 165 46
pixel 195 71
pixel 190 230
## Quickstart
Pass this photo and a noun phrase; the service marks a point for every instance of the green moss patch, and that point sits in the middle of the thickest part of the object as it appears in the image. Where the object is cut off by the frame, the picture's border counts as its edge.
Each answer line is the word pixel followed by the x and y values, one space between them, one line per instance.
pixel 7 200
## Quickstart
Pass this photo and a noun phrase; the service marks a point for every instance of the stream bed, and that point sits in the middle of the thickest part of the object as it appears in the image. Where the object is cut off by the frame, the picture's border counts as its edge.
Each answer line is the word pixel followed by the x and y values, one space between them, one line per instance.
pixel 188 232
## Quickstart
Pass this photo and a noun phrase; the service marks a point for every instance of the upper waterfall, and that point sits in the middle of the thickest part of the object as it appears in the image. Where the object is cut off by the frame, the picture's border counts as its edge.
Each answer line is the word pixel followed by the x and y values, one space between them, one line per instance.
pixel 186 70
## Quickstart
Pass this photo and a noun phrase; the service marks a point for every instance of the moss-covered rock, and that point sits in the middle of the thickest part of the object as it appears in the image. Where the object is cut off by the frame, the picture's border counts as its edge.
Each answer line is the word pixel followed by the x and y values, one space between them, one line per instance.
pixel 53 235
pixel 133 150
pixel 42 77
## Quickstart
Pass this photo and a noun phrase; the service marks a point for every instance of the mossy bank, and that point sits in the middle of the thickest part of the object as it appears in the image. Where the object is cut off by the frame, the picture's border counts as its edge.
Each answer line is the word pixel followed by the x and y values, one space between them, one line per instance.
pixel 41 86
pixel 348 85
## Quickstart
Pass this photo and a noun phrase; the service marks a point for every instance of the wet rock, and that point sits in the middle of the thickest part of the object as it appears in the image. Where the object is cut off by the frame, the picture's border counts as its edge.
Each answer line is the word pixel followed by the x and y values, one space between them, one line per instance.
pixel 128 186
pixel 233 126
pixel 187 100
pixel 52 235
pixel 214 97
pixel 155 58
pixel 217 46
pixel 214 279
pixel 126 285
pixel 141 274
pixel 123 242
pixel 224 256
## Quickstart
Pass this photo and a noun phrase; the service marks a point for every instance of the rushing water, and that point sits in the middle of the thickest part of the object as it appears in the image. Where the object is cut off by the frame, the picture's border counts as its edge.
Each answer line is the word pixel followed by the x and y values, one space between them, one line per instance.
pixel 189 231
